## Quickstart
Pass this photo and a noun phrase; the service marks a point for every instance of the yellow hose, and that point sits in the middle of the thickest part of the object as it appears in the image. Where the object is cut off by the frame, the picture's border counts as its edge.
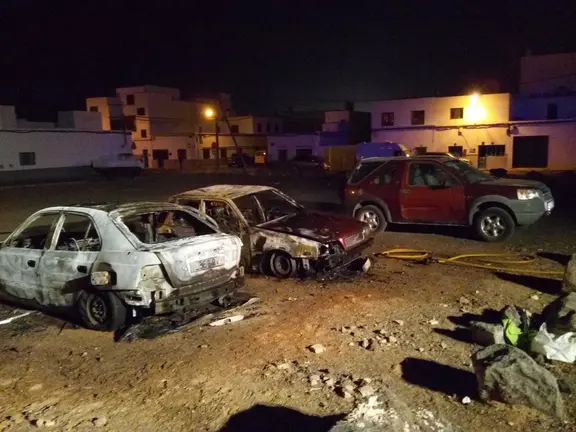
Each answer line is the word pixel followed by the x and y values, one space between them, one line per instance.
pixel 483 260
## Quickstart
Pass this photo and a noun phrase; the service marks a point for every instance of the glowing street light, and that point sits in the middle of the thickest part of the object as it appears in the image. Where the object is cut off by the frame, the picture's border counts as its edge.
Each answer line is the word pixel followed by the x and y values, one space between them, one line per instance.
pixel 475 111
pixel 209 113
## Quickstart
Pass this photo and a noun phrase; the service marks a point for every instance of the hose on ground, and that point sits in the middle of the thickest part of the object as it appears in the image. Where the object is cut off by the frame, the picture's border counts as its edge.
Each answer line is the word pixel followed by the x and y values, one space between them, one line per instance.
pixel 494 262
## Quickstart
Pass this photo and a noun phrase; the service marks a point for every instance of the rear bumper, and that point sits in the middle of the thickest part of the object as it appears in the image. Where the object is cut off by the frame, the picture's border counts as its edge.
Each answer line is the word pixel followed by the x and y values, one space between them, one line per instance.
pixel 343 259
pixel 180 301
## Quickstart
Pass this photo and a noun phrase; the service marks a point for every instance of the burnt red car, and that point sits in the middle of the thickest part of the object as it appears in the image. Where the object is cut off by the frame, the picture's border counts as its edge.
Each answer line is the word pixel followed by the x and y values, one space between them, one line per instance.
pixel 280 236
pixel 443 191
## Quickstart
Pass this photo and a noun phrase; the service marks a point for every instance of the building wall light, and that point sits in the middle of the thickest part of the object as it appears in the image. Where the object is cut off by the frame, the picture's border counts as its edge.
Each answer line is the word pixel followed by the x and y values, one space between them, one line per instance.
pixel 475 111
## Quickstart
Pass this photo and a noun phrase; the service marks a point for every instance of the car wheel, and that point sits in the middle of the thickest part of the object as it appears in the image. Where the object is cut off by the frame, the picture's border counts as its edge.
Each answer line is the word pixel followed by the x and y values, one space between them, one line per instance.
pixel 282 265
pixel 372 216
pixel 494 225
pixel 102 311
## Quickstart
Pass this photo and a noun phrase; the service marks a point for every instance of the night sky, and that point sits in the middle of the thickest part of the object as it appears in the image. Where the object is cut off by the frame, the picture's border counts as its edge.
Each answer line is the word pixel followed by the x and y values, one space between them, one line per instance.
pixel 269 55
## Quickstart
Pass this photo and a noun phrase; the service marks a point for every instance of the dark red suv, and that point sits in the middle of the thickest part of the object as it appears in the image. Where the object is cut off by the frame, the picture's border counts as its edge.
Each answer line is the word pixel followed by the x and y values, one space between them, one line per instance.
pixel 443 191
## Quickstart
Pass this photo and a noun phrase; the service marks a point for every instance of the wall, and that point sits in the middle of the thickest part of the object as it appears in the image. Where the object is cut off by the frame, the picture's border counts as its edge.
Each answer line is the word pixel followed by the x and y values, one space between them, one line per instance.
pixel 489 108
pixel 248 143
pixel 80 120
pixel 57 148
pixel 8 117
pixel 546 74
pixel 26 124
pixel 107 107
pixel 291 143
pixel 170 143
pixel 526 108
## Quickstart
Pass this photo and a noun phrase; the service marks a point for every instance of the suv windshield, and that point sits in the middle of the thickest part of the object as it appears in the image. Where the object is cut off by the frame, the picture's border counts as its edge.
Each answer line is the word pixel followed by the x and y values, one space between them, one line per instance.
pixel 362 170
pixel 468 172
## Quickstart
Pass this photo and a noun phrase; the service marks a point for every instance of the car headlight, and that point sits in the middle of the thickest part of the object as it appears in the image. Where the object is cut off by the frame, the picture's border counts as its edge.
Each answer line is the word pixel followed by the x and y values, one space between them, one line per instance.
pixel 526 194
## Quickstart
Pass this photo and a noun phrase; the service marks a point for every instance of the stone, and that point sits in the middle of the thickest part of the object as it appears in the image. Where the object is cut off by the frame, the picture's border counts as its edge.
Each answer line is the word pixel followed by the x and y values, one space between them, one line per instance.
pixel 560 315
pixel 466 400
pixel 330 382
pixel 399 322
pixel 569 283
pixel 433 322
pixel 340 391
pixel 366 390
pixel 392 339
pixel 382 331
pixel 464 301
pixel 534 297
pixel 512 313
pixel 397 369
pixel 100 421
pixel 317 348
pixel 36 387
pixel 284 366
pixel 314 380
pixel 486 334
pixel 444 345
pixel 507 374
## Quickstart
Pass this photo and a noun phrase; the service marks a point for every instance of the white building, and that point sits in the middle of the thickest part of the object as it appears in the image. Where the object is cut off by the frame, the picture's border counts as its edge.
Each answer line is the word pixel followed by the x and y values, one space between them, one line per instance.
pixel 54 150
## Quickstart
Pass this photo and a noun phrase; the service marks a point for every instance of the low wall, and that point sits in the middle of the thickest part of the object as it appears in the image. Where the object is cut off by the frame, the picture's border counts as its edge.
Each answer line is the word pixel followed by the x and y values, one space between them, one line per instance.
pixel 46 175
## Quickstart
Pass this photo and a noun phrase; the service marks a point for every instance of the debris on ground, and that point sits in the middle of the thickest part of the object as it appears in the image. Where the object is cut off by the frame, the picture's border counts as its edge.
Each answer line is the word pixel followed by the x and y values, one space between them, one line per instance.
pixel 14 318
pixel 507 374
pixel 227 320
pixel 569 283
pixel 486 334
pixel 560 315
pixel 345 273
pixel 317 348
pixel 466 400
pixel 561 348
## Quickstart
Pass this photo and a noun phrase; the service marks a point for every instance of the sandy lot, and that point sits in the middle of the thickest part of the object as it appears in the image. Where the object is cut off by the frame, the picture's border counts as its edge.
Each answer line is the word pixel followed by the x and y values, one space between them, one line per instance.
pixel 256 374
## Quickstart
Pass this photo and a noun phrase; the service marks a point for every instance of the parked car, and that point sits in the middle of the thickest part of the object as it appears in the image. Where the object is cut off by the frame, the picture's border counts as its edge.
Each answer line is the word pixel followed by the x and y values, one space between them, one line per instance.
pixel 443 191
pixel 280 237
pixel 120 164
pixel 309 163
pixel 236 160
pixel 104 261
pixel 446 154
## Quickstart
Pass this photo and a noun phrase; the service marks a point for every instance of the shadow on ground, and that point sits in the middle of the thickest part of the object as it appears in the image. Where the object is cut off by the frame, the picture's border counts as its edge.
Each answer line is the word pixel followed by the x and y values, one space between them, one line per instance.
pixel 440 378
pixel 263 418
pixel 542 284
pixel 562 259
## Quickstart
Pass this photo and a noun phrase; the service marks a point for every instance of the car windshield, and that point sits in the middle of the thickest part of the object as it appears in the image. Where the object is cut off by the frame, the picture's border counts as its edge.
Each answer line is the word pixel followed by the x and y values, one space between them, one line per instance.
pixel 468 172
pixel 266 206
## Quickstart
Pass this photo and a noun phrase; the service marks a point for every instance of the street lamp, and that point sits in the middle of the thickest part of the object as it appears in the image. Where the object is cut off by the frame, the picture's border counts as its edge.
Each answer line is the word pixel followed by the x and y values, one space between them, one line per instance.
pixel 210 114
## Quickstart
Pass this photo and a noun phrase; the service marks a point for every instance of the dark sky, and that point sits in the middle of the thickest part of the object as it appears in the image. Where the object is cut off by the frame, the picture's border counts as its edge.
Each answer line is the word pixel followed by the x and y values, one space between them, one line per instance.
pixel 269 55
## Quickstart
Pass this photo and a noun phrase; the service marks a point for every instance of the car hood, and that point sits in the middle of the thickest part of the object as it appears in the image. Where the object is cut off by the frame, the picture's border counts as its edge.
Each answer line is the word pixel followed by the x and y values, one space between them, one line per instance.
pixel 320 227
pixel 520 183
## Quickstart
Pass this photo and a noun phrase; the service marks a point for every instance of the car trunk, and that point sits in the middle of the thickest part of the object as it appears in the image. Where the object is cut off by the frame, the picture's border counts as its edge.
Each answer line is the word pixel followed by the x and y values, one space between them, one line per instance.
pixel 205 261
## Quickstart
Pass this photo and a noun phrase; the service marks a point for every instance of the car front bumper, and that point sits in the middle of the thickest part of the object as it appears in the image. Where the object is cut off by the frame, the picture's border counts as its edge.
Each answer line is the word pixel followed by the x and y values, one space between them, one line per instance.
pixel 343 259
pixel 528 212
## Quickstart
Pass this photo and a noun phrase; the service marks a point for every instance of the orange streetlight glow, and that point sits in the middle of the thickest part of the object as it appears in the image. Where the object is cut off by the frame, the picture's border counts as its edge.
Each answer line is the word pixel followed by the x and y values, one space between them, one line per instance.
pixel 209 113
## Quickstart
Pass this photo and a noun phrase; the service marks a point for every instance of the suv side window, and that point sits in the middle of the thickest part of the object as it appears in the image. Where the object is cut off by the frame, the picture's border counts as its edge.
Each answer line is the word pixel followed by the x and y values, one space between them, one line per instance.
pixel 385 174
pixel 427 174
pixel 362 170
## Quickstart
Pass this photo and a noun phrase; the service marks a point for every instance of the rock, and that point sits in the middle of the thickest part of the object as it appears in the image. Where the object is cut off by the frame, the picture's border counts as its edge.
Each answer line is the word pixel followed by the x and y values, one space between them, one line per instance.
pixel 507 374
pixel 366 390
pixel 534 297
pixel 513 315
pixel 444 345
pixel 284 366
pixel 392 340
pixel 329 381
pixel 569 284
pixel 43 423
pixel 433 322
pixel 204 346
pixel 466 400
pixel 560 315
pixel 100 421
pixel 399 322
pixel 421 349
pixel 50 423
pixel 36 387
pixel 397 369
pixel 345 393
pixel 382 331
pixel 314 380
pixel 565 386
pixel 464 301
pixel 317 348
pixel 487 334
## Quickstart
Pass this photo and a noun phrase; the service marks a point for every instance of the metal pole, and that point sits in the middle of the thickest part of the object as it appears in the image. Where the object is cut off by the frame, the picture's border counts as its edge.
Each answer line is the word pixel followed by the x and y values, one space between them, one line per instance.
pixel 217 144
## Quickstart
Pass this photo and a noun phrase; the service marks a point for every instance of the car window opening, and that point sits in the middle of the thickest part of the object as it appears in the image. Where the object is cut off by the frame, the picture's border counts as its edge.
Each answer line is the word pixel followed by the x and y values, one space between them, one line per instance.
pixel 162 226
pixel 275 206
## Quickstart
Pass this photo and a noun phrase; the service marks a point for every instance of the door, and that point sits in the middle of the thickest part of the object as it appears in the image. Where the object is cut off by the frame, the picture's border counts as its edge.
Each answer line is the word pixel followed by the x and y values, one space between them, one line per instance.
pixel 430 194
pixel 181 157
pixel 65 266
pixel 21 254
pixel 160 156
pixel 384 184
pixel 530 152
pixel 145 157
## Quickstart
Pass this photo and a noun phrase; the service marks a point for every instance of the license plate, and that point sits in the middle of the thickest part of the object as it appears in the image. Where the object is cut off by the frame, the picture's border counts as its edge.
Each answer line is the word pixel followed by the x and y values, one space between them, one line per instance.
pixel 207 264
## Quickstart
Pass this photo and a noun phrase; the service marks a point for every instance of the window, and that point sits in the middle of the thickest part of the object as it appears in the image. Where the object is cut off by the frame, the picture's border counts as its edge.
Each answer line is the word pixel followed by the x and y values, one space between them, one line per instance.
pixel 78 234
pixel 385 174
pixel 234 129
pixel 223 215
pixel 275 206
pixel 418 117
pixel 129 99
pixel 268 127
pixel 456 150
pixel 491 150
pixel 552 111
pixel 141 111
pixel 190 203
pixel 27 158
pixel 36 235
pixel 249 209
pixel 362 170
pixel 426 174
pixel 223 153
pixel 456 113
pixel 388 119
pixel 143 133
pixel 259 127
pixel 276 128
pixel 205 153
pixel 165 225
pixel 93 109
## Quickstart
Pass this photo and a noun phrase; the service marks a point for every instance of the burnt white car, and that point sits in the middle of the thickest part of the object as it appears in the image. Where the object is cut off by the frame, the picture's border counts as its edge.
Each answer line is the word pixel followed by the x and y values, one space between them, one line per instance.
pixel 112 260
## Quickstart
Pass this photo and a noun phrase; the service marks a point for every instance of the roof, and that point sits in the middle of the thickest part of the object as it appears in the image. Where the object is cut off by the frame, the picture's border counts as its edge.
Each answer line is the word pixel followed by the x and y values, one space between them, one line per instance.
pixel 404 158
pixel 226 191
pixel 122 208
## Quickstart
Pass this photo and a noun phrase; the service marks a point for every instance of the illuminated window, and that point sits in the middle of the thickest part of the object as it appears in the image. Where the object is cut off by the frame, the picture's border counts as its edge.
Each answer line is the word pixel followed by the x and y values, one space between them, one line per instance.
pixel 456 113
pixel 418 117
pixel 388 119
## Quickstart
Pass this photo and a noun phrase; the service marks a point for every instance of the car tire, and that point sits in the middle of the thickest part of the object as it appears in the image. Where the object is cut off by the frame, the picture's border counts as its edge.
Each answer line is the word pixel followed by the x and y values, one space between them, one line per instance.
pixel 494 225
pixel 102 311
pixel 282 265
pixel 373 216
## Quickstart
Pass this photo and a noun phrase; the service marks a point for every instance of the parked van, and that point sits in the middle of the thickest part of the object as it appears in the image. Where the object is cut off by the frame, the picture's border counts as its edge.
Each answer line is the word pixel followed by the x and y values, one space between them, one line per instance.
pixel 386 149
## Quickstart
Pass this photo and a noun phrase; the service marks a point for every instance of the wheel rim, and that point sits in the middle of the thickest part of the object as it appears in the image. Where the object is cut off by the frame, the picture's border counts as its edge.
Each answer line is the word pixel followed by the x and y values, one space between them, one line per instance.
pixel 282 265
pixel 97 309
pixel 493 226
pixel 371 218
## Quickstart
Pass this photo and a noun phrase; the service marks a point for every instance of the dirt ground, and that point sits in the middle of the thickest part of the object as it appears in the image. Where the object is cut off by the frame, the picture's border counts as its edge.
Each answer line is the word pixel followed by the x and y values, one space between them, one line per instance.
pixel 398 326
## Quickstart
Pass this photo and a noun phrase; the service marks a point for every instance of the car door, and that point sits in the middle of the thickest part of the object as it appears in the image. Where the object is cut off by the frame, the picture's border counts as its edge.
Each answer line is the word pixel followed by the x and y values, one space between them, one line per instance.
pixel 66 264
pixel 384 184
pixel 21 254
pixel 431 194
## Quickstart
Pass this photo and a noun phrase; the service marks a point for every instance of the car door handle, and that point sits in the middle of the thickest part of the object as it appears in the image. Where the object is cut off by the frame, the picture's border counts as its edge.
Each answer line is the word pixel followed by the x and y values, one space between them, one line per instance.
pixel 82 269
pixel 31 263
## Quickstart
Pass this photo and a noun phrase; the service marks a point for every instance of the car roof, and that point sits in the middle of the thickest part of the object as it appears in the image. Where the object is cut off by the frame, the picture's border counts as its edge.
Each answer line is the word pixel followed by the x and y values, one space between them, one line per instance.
pixel 121 208
pixel 225 191
pixel 406 158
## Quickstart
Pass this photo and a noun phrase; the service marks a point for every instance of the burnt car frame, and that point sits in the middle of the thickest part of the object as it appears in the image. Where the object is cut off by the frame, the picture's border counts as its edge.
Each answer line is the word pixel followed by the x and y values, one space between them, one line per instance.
pixel 280 237
pixel 104 262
